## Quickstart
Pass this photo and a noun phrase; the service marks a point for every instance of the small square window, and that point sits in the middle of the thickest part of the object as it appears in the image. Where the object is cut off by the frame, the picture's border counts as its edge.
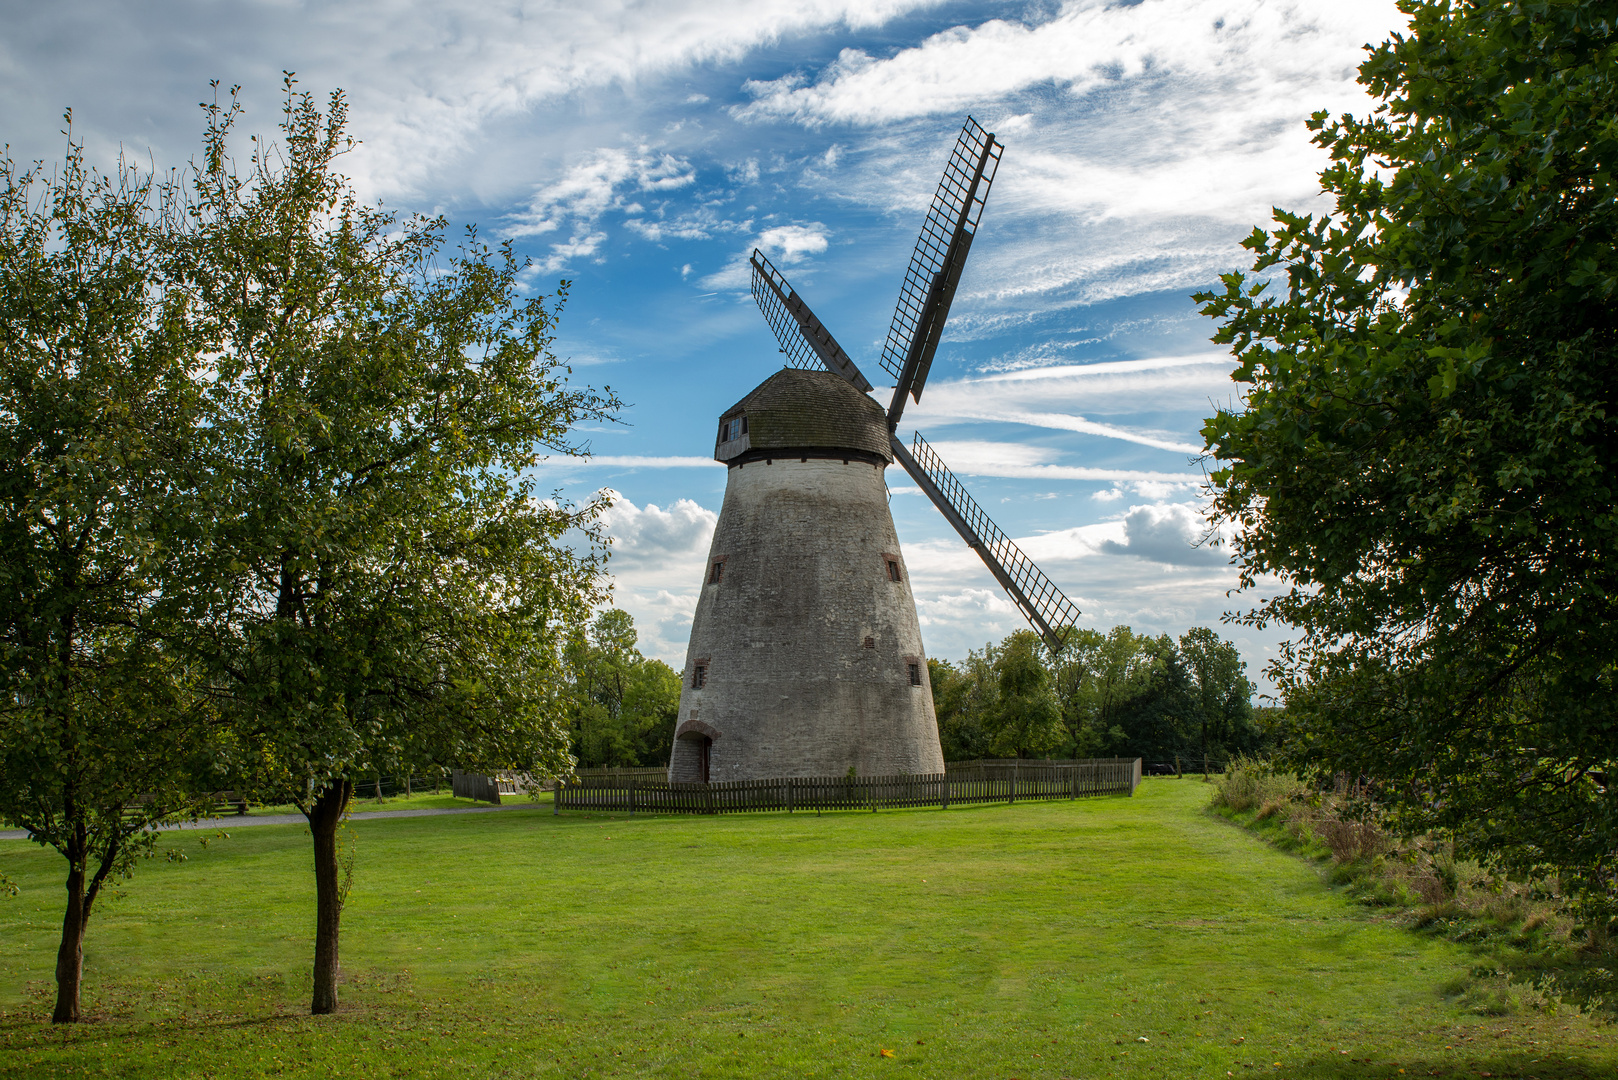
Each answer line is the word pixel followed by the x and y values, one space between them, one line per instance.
pixel 699 676
pixel 915 674
pixel 893 570
pixel 870 643
pixel 717 572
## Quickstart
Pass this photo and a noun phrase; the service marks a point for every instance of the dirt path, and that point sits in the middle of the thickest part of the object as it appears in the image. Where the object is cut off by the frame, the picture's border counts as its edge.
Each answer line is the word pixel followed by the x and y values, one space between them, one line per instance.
pixel 241 822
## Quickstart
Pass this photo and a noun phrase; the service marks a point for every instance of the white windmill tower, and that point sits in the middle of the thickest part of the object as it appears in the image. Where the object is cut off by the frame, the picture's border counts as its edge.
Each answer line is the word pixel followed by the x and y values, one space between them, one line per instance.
pixel 806 656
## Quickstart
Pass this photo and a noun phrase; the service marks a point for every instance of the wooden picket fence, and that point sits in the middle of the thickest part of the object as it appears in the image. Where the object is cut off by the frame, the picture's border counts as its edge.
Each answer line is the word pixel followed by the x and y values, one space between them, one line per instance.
pixel 964 782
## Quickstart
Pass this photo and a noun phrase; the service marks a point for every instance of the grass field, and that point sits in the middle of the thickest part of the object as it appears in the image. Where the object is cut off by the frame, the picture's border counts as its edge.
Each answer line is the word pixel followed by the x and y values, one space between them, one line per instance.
pixel 1118 937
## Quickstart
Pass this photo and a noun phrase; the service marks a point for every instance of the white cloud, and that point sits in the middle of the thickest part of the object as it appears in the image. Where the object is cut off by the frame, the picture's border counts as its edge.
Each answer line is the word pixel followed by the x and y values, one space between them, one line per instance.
pixel 651 537
pixel 426 78
pixel 603 180
pixel 636 461
pixel 788 244
pixel 1088 44
pixel 962 607
pixel 982 457
pixel 785 245
pixel 1170 533
pixel 657 560
pixel 1140 136
pixel 1039 397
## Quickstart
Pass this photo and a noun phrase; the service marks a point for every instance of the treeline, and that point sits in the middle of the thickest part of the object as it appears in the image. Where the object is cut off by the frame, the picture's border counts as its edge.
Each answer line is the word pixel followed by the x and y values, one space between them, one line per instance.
pixel 1119 694
pixel 622 706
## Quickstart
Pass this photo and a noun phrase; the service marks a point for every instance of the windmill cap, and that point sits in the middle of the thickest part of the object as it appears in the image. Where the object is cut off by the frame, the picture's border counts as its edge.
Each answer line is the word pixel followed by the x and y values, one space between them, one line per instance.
pixel 807 414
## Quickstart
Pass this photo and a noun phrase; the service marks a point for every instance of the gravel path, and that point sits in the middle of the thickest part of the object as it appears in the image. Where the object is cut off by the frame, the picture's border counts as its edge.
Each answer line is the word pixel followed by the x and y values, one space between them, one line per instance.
pixel 234 822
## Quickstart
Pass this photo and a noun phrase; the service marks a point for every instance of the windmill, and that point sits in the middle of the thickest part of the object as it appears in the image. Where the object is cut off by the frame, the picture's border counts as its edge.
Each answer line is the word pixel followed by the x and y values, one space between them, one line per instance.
pixel 805 656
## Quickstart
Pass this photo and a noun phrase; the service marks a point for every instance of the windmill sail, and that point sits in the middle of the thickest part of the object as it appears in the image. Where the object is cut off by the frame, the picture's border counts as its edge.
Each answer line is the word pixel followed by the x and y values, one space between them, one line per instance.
pixel 804 339
pixel 1042 603
pixel 935 266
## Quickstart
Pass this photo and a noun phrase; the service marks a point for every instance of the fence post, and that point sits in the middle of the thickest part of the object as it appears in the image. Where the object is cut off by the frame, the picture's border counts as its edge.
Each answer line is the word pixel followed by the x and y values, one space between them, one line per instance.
pixel 789 794
pixel 556 798
pixel 631 796
pixel 945 786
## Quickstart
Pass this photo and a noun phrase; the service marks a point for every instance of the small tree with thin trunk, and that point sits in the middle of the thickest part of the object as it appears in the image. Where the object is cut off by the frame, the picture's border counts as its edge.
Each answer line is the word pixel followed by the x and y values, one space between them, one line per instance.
pixel 385 592
pixel 101 732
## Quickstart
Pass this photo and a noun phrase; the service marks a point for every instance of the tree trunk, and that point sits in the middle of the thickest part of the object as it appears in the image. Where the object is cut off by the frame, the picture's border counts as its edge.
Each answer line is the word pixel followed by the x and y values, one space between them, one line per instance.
pixel 70 956
pixel 81 898
pixel 325 815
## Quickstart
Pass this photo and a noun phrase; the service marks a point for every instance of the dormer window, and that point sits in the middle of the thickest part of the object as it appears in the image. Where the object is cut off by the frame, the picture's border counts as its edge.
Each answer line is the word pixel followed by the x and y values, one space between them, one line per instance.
pixel 733 429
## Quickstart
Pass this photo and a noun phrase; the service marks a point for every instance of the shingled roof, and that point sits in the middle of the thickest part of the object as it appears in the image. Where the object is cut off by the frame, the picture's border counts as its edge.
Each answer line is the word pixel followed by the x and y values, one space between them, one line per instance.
pixel 797 410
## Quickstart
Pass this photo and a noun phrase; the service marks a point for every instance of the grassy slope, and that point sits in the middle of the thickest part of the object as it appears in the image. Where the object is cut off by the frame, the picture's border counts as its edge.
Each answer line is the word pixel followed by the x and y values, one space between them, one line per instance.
pixel 1041 940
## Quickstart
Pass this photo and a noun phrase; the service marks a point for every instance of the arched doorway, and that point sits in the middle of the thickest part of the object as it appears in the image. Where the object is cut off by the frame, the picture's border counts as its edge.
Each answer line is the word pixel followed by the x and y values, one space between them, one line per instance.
pixel 693 753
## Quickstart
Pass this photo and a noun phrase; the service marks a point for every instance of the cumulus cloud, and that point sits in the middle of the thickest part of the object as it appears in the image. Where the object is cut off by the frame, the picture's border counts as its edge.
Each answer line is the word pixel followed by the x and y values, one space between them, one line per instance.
pixel 658 554
pixel 653 538
pixel 962 607
pixel 1167 533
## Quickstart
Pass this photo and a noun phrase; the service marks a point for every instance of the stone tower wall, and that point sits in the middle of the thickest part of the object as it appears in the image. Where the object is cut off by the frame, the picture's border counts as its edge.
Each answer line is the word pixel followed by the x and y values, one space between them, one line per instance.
pixel 791 687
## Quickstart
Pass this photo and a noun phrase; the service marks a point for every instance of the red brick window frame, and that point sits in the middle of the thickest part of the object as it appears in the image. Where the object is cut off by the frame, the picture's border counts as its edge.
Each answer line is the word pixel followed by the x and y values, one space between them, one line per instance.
pixel 699 673
pixel 892 567
pixel 716 570
pixel 916 671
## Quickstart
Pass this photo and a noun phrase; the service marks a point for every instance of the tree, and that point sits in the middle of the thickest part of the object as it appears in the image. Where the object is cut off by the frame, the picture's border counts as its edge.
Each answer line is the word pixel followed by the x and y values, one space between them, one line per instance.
pixel 102 733
pixel 960 696
pixel 1111 688
pixel 1223 695
pixel 384 590
pixel 1426 445
pixel 625 707
pixel 1026 718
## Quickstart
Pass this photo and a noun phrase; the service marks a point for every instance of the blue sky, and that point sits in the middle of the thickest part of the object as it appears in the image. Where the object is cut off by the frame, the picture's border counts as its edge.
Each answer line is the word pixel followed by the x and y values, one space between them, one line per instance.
pixel 642 149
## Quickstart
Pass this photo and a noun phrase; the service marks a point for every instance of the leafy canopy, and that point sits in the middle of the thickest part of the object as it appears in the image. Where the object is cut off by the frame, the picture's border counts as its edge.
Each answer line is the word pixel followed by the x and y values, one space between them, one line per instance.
pixel 1425 450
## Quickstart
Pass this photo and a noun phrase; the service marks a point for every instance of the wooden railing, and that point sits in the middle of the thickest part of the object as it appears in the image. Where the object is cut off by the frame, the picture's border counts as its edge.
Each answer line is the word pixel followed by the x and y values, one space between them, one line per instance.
pixel 965 782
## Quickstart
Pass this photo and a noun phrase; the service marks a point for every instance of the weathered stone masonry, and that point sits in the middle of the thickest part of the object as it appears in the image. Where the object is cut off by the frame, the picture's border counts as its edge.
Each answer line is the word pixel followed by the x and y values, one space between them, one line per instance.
pixel 803 636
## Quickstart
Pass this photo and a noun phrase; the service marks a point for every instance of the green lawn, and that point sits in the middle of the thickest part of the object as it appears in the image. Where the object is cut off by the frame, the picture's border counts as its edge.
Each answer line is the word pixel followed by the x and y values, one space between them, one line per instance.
pixel 1109 937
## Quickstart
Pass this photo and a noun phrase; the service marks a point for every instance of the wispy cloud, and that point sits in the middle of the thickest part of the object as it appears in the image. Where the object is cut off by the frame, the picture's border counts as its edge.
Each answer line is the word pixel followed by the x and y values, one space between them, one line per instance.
pixel 786 245
pixel 1088 44
pixel 1040 397
pixel 979 457
pixel 632 461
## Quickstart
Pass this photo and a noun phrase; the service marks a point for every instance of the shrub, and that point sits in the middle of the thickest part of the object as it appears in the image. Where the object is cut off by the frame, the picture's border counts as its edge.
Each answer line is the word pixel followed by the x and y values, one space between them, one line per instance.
pixel 1249 782
pixel 1350 841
